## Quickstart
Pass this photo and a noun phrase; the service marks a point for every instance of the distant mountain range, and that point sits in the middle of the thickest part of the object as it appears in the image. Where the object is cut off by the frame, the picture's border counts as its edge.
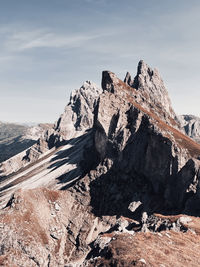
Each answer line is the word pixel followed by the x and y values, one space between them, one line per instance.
pixel 15 137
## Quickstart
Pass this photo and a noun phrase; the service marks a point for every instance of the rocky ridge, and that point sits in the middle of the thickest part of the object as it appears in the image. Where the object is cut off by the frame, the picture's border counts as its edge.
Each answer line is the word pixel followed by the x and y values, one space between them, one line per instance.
pixel 119 156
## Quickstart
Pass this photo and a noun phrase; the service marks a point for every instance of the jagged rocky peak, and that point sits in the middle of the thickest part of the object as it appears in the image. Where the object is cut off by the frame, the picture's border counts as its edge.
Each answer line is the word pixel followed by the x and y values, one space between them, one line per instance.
pixel 149 79
pixel 128 79
pixel 109 80
pixel 149 82
pixel 146 75
pixel 139 147
pixel 147 89
pixel 77 117
pixel 78 114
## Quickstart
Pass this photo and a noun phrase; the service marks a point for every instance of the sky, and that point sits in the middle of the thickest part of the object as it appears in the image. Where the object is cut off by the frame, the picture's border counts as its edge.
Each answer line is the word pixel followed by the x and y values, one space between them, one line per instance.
pixel 50 47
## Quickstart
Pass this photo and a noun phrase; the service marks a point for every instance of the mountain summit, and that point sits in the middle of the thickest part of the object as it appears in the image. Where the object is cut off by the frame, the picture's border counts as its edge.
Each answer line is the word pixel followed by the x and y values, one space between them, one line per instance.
pixel 150 85
pixel 115 159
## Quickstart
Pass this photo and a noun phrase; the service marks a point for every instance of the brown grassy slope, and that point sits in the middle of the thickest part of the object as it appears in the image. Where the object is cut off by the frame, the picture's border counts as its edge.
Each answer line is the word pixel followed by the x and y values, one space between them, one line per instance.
pixel 164 249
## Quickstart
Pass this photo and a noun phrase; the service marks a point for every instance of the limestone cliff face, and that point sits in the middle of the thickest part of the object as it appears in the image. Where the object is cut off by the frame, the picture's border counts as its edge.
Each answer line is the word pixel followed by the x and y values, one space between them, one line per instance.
pixel 79 113
pixel 191 126
pixel 150 82
pixel 139 147
pixel 154 95
pixel 118 156
pixel 75 120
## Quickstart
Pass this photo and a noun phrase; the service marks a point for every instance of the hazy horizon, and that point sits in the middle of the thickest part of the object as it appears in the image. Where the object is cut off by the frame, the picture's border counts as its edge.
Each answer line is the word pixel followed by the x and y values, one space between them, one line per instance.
pixel 48 48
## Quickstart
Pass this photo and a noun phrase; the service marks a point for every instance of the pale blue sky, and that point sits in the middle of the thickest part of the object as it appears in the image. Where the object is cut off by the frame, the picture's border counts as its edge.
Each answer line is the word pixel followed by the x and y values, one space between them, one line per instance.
pixel 50 47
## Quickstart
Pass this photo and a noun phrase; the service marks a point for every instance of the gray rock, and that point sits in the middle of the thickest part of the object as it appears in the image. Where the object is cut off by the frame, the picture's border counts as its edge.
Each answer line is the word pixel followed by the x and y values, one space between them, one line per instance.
pixel 78 117
pixel 79 113
pixel 191 126
pixel 57 207
pixel 133 206
pixel 185 219
pixel 128 80
pixel 110 151
pixel 143 261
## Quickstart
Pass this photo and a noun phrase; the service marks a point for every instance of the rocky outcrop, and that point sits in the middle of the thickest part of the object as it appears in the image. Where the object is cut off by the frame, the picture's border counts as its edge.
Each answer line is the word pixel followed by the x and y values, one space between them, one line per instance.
pixel 23 148
pixel 166 248
pixel 149 82
pixel 191 126
pixel 128 79
pixel 129 139
pixel 79 113
pixel 118 156
pixel 47 228
pixel 154 95
pixel 78 117
pixel 142 153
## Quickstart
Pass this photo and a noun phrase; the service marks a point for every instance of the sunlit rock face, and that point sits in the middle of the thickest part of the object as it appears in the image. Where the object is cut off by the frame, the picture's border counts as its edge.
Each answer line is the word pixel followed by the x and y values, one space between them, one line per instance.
pixel 79 113
pixel 77 117
pixel 116 156
pixel 191 126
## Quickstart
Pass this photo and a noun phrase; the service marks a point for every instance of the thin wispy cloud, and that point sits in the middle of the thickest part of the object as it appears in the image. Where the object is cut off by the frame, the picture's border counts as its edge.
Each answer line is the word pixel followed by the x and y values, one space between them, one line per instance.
pixel 21 41
pixel 45 50
pixel 25 40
